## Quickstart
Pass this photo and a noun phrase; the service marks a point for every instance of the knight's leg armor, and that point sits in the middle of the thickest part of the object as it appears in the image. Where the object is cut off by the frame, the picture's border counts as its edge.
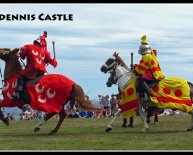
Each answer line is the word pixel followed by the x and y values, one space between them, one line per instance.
pixel 21 83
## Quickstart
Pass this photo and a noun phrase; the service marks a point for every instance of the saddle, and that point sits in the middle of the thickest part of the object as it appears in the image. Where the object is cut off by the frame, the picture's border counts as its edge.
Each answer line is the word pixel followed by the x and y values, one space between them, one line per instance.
pixel 150 84
pixel 34 80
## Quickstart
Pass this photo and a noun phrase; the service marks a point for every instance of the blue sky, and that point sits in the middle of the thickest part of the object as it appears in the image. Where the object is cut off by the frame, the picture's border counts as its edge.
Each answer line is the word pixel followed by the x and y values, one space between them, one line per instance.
pixel 97 30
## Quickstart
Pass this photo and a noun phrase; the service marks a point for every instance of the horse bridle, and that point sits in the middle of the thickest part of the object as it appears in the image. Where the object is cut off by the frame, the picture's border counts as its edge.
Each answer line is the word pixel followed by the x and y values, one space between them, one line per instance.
pixel 112 74
pixel 111 78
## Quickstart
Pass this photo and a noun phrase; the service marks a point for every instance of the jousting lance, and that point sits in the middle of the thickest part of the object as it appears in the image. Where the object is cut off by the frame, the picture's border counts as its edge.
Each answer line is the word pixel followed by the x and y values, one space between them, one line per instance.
pixel 1 77
pixel 131 59
pixel 53 43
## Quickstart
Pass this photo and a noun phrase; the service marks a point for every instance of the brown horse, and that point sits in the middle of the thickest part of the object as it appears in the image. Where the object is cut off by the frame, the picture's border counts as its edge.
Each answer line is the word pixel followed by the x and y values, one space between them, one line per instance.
pixel 75 93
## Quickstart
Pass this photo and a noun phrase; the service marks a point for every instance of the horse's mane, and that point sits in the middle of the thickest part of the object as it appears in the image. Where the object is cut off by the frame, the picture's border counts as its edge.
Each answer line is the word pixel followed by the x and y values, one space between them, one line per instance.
pixel 18 64
pixel 120 60
pixel 12 64
pixel 122 63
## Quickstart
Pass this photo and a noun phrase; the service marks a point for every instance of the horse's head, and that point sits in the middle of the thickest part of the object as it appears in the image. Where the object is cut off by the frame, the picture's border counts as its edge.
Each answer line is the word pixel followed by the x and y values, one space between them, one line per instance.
pixel 110 63
pixel 119 72
pixel 8 53
pixel 12 63
pixel 112 79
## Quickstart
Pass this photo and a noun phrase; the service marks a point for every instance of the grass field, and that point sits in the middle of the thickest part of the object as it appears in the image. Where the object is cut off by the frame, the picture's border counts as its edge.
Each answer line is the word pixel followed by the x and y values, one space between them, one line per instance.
pixel 89 134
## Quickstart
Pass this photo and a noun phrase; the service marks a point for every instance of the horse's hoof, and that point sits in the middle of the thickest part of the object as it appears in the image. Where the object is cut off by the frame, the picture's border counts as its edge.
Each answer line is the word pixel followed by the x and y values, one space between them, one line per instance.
pixel 52 133
pixel 124 125
pixel 130 125
pixel 190 129
pixel 6 121
pixel 148 122
pixel 108 129
pixel 144 130
pixel 156 123
pixel 36 129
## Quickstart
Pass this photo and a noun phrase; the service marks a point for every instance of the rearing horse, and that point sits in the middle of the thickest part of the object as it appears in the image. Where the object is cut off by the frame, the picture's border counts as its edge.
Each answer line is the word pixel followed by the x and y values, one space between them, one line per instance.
pixel 49 93
pixel 171 93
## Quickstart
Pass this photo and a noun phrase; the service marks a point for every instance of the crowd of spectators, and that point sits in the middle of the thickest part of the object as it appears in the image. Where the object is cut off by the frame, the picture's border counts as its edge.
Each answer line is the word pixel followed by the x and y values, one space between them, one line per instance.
pixel 27 113
pixel 109 105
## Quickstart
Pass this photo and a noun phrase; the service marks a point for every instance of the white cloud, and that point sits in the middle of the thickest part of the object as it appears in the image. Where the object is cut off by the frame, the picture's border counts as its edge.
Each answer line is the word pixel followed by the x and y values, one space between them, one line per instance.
pixel 82 45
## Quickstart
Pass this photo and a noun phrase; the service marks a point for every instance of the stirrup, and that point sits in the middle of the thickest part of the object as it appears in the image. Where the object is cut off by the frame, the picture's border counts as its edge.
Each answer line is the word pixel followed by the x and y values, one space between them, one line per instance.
pixel 16 95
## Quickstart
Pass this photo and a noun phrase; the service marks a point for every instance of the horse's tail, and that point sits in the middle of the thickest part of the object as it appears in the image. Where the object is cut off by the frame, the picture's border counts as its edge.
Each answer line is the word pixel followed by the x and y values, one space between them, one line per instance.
pixel 80 98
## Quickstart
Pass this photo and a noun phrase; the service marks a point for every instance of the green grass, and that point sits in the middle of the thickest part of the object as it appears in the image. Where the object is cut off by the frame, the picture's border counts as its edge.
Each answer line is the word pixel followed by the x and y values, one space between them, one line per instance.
pixel 89 134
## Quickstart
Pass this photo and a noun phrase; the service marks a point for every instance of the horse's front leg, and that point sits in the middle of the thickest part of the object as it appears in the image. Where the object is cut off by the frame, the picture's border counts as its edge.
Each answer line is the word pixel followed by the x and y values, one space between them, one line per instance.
pixel 116 116
pixel 131 122
pixel 142 115
pixel 4 119
pixel 46 118
pixel 143 118
pixel 156 117
pixel 62 115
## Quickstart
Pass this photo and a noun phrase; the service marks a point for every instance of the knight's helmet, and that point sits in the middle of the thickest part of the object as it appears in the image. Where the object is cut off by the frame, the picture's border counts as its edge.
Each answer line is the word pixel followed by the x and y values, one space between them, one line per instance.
pixel 37 41
pixel 144 48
